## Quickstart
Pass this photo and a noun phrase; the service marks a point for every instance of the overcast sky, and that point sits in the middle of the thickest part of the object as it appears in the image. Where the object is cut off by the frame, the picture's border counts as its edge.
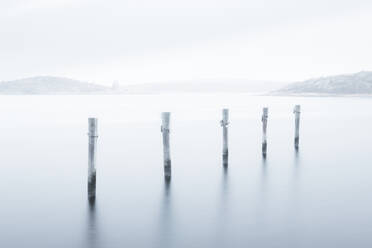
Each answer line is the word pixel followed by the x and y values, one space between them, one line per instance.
pixel 136 41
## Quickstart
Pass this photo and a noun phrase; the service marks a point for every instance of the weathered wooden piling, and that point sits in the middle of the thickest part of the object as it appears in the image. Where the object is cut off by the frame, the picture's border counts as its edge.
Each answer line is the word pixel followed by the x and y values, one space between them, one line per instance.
pixel 166 150
pixel 264 128
pixel 224 124
pixel 92 148
pixel 297 111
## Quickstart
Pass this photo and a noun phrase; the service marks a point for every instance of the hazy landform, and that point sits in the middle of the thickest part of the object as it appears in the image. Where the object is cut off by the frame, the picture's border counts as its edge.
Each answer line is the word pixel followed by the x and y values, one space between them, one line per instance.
pixel 349 84
pixel 341 85
pixel 47 85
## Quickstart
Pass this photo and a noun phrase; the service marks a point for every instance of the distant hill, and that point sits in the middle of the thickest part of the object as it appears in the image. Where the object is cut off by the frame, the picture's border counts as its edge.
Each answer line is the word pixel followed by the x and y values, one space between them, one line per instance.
pixel 46 85
pixel 351 84
pixel 50 86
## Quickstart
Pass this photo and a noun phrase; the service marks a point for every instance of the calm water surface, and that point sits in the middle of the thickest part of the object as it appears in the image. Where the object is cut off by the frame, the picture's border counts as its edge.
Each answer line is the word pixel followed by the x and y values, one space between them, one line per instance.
pixel 320 196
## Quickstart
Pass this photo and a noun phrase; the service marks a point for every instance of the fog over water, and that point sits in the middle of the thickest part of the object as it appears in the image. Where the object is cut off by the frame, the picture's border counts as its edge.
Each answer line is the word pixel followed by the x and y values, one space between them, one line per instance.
pixel 319 196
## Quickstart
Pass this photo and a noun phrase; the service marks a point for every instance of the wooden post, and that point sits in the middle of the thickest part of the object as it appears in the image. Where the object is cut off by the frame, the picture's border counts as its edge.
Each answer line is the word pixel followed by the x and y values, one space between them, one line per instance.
pixel 165 130
pixel 92 148
pixel 297 111
pixel 264 127
pixel 224 124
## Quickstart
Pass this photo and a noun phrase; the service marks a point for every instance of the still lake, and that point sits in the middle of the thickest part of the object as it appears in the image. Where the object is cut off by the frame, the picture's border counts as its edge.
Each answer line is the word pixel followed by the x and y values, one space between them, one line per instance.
pixel 318 197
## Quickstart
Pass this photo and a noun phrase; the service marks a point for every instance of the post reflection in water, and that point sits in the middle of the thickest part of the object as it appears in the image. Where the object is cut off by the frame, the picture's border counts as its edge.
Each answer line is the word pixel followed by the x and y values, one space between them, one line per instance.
pixel 225 160
pixel 297 158
pixel 296 169
pixel 225 188
pixel 294 208
pixel 92 232
pixel 223 218
pixel 264 171
pixel 261 216
pixel 166 216
pixel 264 175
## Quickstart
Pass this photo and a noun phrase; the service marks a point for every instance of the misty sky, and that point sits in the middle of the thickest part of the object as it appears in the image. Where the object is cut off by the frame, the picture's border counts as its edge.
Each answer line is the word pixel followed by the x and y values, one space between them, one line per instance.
pixel 137 41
